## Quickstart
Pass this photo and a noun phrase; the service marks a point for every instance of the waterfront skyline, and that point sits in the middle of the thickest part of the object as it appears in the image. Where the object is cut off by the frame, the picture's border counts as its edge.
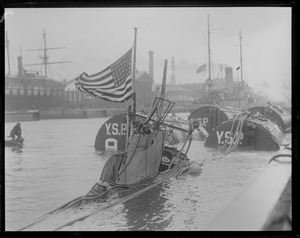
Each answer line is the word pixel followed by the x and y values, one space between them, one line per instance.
pixel 96 37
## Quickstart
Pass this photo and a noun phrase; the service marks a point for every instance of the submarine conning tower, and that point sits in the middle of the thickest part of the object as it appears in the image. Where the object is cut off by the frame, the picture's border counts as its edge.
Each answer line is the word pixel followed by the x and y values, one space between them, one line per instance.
pixel 256 133
pixel 277 114
pixel 211 116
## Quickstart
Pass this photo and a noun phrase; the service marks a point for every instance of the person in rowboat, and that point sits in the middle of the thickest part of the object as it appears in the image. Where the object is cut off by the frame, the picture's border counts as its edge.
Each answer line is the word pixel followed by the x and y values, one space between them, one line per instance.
pixel 16 131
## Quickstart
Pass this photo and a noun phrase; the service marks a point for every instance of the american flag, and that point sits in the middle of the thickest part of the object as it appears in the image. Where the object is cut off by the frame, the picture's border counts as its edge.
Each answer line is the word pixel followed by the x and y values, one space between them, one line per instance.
pixel 114 83
pixel 201 68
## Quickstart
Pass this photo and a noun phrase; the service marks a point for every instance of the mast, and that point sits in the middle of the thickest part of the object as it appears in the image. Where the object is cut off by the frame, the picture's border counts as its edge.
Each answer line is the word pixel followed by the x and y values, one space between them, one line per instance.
pixel 163 88
pixel 7 47
pixel 46 57
pixel 20 64
pixel 209 80
pixel 241 56
pixel 209 53
pixel 133 73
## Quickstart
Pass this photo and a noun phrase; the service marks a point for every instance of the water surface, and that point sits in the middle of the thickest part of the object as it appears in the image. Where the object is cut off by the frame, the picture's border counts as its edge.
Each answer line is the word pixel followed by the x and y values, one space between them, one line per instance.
pixel 58 163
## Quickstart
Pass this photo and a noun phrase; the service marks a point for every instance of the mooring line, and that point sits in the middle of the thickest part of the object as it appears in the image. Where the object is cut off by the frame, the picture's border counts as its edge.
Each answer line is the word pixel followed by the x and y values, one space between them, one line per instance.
pixel 113 204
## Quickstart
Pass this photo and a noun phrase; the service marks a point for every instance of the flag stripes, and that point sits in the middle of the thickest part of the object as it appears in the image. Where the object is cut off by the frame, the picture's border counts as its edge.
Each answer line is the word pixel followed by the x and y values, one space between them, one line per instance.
pixel 114 83
pixel 201 68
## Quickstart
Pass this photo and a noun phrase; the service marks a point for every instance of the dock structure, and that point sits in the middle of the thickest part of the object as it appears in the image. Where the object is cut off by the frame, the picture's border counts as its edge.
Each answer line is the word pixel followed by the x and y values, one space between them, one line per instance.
pixel 266 205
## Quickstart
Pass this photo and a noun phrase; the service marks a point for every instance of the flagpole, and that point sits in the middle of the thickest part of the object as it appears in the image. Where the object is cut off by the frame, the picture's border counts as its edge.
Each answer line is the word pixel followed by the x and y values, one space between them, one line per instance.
pixel 133 74
pixel 163 87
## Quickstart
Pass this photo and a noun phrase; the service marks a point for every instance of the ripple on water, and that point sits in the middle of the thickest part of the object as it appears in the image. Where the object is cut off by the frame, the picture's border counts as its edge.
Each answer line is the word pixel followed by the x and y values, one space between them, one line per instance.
pixel 58 163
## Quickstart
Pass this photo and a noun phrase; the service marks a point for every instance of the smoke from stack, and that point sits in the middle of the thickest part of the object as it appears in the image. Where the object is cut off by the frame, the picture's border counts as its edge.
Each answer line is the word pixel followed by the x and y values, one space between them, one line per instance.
pixel 20 66
pixel 228 75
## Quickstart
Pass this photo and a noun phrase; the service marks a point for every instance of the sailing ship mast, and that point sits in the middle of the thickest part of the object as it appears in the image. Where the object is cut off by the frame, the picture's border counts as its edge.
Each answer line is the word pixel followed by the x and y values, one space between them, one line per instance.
pixel 46 57
pixel 7 47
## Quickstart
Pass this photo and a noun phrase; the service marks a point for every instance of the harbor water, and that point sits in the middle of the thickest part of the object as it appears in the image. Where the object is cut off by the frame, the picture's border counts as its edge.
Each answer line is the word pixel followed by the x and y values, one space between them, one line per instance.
pixel 58 163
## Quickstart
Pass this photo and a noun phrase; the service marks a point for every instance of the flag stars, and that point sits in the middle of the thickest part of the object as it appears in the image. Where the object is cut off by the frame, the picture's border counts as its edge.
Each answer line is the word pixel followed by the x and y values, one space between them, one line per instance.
pixel 116 76
pixel 121 69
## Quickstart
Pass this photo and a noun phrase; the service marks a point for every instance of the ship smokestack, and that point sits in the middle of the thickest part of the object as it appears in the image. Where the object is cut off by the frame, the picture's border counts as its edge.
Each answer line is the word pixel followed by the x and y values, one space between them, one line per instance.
pixel 151 66
pixel 228 76
pixel 20 66
pixel 173 76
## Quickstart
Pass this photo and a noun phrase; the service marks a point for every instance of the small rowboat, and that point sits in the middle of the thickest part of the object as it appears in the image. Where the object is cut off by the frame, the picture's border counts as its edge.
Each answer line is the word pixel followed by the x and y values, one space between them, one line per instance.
pixel 14 143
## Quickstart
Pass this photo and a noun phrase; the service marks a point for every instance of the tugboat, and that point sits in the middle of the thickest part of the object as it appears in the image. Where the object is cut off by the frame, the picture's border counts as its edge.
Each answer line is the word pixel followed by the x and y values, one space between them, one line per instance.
pixel 28 91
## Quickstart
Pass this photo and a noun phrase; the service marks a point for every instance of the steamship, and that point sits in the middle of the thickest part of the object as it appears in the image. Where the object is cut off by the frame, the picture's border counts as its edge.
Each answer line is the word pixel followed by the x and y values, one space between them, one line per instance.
pixel 225 91
pixel 28 92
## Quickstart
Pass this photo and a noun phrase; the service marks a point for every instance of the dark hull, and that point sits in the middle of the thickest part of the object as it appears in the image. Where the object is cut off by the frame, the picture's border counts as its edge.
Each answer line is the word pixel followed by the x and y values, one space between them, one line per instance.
pixel 282 118
pixel 211 116
pixel 14 143
pixel 257 134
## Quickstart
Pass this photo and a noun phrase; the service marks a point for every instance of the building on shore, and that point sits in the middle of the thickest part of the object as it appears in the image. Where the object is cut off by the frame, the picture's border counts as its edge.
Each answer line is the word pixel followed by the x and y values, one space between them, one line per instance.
pixel 33 89
pixel 179 95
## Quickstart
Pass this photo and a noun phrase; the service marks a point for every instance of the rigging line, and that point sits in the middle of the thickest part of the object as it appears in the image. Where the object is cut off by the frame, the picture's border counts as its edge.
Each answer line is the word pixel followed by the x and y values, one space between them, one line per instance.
pixel 189 137
pixel 51 69
pixel 50 74
pixel 235 139
pixel 12 54
pixel 126 165
pixel 43 217
pixel 12 62
pixel 237 136
pixel 231 130
pixel 274 158
pixel 37 59
pixel 205 40
pixel 217 63
pixel 115 203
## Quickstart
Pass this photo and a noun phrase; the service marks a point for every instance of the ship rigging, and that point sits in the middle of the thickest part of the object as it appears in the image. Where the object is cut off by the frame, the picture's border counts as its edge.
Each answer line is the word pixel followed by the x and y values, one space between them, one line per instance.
pixel 45 56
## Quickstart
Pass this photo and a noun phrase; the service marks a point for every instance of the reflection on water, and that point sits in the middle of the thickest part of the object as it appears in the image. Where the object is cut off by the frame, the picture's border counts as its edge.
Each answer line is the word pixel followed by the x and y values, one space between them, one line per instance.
pixel 146 211
pixel 58 163
pixel 16 150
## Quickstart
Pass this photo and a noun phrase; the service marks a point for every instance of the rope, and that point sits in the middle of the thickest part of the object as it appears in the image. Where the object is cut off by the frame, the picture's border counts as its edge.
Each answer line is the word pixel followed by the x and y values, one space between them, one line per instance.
pixel 50 213
pixel 81 198
pixel 90 197
pixel 115 203
pixel 234 120
pixel 111 180
pixel 280 155
pixel 237 136
pixel 235 139
pixel 189 137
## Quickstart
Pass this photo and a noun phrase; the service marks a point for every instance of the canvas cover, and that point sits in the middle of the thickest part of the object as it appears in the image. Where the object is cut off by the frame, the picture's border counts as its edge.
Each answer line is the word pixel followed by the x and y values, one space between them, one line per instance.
pixel 111 167
pixel 143 158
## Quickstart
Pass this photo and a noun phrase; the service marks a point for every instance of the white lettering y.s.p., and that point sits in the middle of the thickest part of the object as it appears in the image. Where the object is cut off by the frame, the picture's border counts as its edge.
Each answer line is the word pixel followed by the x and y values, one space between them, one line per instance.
pixel 107 125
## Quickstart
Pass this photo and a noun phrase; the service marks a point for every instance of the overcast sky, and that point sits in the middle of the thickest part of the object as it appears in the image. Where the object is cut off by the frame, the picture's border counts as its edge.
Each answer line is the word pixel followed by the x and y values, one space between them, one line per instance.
pixel 96 37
